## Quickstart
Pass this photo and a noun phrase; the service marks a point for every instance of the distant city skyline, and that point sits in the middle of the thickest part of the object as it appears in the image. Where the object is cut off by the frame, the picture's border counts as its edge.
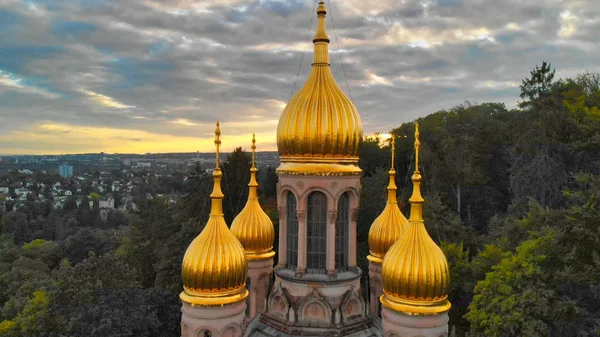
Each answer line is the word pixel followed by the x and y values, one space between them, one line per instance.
pixel 144 76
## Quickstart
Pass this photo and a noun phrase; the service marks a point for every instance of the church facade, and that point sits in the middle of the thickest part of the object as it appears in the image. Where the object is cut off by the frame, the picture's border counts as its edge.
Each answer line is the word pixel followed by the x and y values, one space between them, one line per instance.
pixel 232 287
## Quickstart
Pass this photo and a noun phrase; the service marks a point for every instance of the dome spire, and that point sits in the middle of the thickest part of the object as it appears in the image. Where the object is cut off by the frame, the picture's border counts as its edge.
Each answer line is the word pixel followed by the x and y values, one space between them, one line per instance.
pixel 391 223
pixel 253 185
pixel 416 200
pixel 214 266
pixel 217 196
pixel 252 226
pixel 415 270
pixel 392 184
pixel 321 39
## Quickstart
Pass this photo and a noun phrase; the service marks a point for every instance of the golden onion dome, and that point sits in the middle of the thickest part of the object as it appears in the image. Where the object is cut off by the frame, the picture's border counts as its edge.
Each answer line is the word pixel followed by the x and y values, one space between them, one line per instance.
pixel 252 226
pixel 390 224
pixel 214 267
pixel 415 270
pixel 320 124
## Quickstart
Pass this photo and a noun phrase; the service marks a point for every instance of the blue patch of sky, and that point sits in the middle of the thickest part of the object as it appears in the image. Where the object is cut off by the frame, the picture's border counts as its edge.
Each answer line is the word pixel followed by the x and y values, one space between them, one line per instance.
pixel 282 7
pixel 240 14
pixel 159 47
pixel 135 73
pixel 449 3
pixel 32 81
pixel 51 5
pixel 506 38
pixel 451 90
pixel 474 53
pixel 13 58
pixel 71 28
pixel 436 64
pixel 508 92
pixel 8 18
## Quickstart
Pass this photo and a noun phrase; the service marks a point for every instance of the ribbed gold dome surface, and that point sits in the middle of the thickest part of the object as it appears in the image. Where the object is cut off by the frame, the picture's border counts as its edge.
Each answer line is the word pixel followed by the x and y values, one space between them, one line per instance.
pixel 415 270
pixel 214 267
pixel 252 226
pixel 320 124
pixel 390 224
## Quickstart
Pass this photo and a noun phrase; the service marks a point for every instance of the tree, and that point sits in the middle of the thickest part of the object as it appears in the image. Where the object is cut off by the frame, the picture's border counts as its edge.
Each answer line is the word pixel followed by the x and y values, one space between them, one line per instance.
pixel 236 176
pixel 90 301
pixel 538 85
pixel 549 287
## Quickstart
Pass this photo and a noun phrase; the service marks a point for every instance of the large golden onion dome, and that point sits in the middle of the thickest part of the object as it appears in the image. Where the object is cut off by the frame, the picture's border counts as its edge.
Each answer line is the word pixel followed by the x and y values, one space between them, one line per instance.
pixel 415 270
pixel 319 124
pixel 390 224
pixel 253 227
pixel 214 267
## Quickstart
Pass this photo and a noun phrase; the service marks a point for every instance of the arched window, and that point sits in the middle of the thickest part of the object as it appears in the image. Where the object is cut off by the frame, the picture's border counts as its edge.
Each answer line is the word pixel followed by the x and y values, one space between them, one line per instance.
pixel 316 236
pixel 292 232
pixel 342 224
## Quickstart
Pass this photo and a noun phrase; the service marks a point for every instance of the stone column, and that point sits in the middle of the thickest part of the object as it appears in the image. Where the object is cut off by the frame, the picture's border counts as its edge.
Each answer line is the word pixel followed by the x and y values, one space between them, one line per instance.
pixel 259 273
pixel 375 287
pixel 352 236
pixel 301 243
pixel 399 324
pixel 331 243
pixel 282 257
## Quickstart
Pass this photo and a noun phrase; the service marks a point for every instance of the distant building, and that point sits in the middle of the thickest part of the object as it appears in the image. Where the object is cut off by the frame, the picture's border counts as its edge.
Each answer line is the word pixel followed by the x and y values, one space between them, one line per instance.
pixel 65 170
pixel 143 164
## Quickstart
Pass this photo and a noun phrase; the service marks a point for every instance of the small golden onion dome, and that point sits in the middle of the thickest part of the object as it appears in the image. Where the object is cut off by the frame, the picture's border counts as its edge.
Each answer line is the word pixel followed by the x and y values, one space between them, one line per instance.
pixel 390 224
pixel 415 270
pixel 252 226
pixel 214 267
pixel 320 124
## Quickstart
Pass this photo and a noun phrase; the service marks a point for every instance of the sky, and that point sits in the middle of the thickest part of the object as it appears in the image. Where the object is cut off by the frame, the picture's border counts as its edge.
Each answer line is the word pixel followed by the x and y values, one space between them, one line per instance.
pixel 137 76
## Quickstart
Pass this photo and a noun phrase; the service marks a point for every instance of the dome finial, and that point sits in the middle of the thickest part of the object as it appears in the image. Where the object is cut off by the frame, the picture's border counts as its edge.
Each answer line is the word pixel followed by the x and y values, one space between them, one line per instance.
pixel 392 184
pixel 253 193
pixel 253 151
pixel 416 200
pixel 217 142
pixel 217 195
pixel 321 39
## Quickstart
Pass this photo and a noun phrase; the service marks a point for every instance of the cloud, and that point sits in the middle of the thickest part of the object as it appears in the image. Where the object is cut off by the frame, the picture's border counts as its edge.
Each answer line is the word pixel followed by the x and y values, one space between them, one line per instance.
pixel 12 82
pixel 104 100
pixel 175 67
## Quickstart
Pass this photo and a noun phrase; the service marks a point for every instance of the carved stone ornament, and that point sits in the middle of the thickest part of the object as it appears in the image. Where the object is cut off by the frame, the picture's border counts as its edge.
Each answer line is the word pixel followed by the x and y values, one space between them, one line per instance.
pixel 332 216
pixel 300 185
pixel 282 212
pixel 301 214
pixel 333 184
pixel 318 174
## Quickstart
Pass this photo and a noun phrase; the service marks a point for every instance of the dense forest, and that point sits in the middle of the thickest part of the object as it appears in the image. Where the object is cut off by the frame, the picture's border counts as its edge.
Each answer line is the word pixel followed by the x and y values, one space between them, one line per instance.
pixel 511 197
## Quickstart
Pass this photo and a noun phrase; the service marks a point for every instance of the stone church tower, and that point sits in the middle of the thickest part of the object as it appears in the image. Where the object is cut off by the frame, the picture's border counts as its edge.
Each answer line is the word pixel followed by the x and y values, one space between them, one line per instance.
pixel 317 288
